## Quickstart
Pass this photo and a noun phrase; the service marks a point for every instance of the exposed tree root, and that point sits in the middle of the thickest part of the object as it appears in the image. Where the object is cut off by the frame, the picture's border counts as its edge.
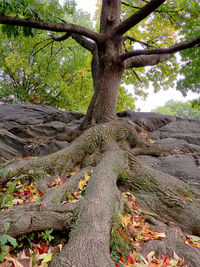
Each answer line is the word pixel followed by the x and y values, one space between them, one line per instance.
pixel 110 149
pixel 36 217
pixel 164 194
pixel 97 139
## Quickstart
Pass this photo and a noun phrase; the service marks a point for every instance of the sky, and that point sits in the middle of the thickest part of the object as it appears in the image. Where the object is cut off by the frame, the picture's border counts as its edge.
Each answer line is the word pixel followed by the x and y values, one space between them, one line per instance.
pixel 154 99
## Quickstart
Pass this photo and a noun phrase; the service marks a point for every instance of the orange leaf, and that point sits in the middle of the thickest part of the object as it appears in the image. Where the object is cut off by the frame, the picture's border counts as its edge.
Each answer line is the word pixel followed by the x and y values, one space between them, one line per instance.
pixel 123 234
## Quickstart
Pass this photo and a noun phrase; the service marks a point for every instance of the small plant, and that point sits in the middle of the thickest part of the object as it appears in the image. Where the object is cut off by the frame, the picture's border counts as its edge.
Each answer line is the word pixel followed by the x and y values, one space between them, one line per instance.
pixel 6 199
pixel 46 236
pixel 4 240
pixel 186 192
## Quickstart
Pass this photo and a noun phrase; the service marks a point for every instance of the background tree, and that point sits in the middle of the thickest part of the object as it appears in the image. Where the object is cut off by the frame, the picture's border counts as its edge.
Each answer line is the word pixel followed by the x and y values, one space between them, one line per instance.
pixel 110 146
pixel 179 109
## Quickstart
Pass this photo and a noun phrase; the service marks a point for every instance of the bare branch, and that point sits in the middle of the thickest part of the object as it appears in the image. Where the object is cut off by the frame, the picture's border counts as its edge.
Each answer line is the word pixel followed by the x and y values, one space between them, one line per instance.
pixel 136 75
pixel 145 60
pixel 41 48
pixel 159 51
pixel 49 26
pixel 137 17
pixel 61 38
pixel 132 39
pixel 125 4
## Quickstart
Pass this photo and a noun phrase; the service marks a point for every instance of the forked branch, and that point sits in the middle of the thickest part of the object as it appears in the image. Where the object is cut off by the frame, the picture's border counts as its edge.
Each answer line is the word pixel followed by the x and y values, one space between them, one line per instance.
pixel 137 17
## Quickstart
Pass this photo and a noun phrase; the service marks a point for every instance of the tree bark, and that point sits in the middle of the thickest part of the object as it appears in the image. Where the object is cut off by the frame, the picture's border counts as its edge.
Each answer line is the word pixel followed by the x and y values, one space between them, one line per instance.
pixel 102 107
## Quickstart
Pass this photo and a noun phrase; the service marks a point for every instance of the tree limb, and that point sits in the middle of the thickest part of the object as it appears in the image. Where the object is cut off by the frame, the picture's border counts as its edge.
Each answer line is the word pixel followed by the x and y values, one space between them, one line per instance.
pixel 56 27
pixel 84 42
pixel 137 17
pixel 132 39
pixel 159 51
pixel 61 38
pixel 145 60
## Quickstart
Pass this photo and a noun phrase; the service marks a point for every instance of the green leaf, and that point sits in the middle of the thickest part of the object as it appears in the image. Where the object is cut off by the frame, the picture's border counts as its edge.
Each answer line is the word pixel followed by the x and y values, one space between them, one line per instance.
pixel 12 241
pixel 3 239
pixel 4 251
pixel 6 238
pixel 149 213
pixel 6 226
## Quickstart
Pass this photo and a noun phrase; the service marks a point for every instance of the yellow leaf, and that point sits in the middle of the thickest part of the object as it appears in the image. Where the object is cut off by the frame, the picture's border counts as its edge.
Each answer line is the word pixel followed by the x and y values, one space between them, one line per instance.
pixel 124 220
pixel 47 257
pixel 160 235
pixel 82 184
pixel 189 198
pixel 87 177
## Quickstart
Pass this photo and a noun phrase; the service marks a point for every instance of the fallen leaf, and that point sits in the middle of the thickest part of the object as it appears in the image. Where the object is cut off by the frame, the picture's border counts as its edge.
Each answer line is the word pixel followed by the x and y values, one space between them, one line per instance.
pixel 131 261
pixel 14 261
pixel 87 177
pixel 150 256
pixel 47 257
pixel 82 185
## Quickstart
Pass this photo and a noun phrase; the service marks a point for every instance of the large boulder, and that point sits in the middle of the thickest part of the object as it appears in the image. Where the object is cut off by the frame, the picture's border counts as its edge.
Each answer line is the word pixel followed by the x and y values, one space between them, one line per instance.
pixel 28 114
pixel 188 130
pixel 145 121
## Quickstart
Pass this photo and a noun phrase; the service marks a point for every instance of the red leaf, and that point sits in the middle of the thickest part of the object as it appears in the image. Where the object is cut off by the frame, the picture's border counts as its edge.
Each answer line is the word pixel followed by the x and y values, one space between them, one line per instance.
pixel 122 260
pixel 166 259
pixel 130 260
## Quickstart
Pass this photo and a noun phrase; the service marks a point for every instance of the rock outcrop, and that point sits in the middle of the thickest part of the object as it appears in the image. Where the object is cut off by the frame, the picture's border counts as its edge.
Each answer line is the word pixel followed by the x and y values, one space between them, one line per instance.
pixel 30 130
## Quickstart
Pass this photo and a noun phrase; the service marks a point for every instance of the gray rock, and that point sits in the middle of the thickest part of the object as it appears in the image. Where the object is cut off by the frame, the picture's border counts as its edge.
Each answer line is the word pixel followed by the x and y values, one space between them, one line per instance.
pixel 177 144
pixel 39 131
pixel 145 121
pixel 10 146
pixel 182 166
pixel 188 130
pixel 28 114
pixel 46 149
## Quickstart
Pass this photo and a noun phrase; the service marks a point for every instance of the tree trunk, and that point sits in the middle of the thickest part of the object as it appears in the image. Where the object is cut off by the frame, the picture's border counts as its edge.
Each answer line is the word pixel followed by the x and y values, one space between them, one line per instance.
pixel 102 107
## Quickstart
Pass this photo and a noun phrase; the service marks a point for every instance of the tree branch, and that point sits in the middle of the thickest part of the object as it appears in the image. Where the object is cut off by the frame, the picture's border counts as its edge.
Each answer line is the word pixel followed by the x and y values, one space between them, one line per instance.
pixel 125 4
pixel 84 42
pixel 56 27
pixel 159 51
pixel 137 17
pixel 61 38
pixel 145 60
pixel 132 39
